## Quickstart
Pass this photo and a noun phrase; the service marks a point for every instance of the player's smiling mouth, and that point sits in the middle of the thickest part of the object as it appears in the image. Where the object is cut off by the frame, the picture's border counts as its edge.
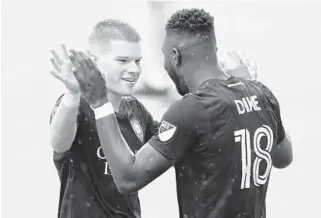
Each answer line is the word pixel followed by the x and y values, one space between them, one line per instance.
pixel 129 79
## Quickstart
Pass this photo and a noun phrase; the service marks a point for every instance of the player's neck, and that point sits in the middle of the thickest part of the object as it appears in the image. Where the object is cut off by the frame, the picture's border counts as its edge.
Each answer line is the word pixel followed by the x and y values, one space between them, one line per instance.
pixel 206 72
pixel 115 100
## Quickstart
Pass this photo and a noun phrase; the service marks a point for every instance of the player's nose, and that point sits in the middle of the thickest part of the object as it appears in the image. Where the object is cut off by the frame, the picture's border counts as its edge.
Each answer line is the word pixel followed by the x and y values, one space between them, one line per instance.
pixel 133 67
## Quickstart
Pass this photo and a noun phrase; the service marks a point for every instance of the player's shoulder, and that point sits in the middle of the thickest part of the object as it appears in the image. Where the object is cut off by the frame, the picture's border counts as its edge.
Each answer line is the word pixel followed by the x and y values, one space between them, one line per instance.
pixel 189 106
pixel 133 103
pixel 265 90
pixel 212 94
pixel 259 85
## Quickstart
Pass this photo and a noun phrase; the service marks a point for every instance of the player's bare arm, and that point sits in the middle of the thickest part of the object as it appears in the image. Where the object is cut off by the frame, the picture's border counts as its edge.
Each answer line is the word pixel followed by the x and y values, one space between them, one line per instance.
pixel 130 172
pixel 63 126
pixel 282 155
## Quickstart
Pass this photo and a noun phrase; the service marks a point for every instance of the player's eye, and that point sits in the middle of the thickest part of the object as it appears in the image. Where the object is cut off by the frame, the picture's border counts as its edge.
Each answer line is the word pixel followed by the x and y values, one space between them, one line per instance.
pixel 123 61
pixel 137 62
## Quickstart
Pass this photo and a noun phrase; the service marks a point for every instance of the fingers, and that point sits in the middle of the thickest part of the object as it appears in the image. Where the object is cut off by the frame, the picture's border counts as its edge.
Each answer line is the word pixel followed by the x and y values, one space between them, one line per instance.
pixel 57 75
pixel 77 69
pixel 84 85
pixel 55 65
pixel 95 71
pixel 252 64
pixel 83 56
pixel 65 51
pixel 80 62
pixel 88 61
pixel 79 77
pixel 235 57
pixel 56 57
pixel 88 69
pixel 75 62
pixel 87 52
pixel 223 64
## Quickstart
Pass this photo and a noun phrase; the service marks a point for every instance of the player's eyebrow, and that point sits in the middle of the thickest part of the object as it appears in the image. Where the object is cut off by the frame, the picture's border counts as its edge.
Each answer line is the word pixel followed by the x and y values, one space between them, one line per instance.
pixel 126 57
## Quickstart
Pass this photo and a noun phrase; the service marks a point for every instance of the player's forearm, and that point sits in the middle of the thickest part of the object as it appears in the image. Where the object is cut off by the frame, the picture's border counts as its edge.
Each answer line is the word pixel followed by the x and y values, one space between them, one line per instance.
pixel 282 155
pixel 119 156
pixel 63 128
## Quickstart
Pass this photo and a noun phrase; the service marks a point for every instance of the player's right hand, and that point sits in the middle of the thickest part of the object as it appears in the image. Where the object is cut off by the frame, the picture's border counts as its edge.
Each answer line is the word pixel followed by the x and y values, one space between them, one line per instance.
pixel 236 65
pixel 91 81
pixel 63 70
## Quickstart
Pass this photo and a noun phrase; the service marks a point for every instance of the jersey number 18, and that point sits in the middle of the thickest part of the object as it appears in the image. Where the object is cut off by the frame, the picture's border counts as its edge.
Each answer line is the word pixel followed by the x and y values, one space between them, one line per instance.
pixel 244 137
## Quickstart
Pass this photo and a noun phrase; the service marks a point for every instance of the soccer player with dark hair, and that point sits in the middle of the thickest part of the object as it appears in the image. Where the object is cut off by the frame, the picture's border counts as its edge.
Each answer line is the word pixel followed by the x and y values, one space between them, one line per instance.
pixel 87 186
pixel 223 136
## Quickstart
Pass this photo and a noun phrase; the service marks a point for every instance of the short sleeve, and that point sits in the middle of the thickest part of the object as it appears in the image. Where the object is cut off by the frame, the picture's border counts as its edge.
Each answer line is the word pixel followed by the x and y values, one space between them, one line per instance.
pixel 53 112
pixel 178 130
pixel 276 109
pixel 151 124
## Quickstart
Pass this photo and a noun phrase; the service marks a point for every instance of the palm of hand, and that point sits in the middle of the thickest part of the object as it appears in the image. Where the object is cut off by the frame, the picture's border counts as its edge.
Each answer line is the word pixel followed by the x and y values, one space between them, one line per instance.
pixel 69 78
pixel 63 70
pixel 243 67
pixel 91 82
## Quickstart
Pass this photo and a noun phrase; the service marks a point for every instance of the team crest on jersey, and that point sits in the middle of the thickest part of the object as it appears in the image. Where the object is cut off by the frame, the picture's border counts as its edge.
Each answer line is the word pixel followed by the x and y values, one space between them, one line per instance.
pixel 137 129
pixel 166 131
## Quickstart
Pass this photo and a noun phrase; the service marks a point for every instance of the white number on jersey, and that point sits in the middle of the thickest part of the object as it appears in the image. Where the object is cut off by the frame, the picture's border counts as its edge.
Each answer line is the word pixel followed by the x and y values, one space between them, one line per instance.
pixel 244 137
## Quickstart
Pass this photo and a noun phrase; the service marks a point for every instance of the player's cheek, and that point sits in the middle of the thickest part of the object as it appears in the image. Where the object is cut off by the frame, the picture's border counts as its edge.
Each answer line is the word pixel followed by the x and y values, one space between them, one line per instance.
pixel 139 72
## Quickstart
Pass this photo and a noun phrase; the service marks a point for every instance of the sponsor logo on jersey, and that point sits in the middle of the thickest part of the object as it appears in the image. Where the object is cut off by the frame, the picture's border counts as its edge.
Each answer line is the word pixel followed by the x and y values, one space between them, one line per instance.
pixel 137 129
pixel 166 131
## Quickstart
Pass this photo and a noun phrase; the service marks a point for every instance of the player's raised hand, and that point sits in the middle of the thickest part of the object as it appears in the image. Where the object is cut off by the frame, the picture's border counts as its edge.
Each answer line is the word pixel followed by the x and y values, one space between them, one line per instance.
pixel 63 69
pixel 91 82
pixel 237 65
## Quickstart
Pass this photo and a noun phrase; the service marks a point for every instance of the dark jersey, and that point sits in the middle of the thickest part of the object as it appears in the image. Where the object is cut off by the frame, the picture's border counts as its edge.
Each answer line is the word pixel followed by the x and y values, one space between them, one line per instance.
pixel 87 187
pixel 221 138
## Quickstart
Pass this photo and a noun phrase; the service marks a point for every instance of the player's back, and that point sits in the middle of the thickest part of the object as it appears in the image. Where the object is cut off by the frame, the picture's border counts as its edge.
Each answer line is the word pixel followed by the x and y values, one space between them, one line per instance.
pixel 226 173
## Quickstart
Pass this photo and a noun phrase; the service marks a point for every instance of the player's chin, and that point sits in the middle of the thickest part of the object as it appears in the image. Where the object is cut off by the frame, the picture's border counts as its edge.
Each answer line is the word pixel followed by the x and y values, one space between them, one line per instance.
pixel 126 90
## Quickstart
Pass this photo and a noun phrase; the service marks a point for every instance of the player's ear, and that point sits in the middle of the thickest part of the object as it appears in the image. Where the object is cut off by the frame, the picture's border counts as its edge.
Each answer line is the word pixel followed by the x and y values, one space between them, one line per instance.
pixel 176 55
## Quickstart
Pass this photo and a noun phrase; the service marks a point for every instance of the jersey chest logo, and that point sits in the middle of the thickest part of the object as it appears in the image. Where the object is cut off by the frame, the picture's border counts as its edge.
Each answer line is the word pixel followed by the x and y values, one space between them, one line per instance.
pixel 137 129
pixel 166 131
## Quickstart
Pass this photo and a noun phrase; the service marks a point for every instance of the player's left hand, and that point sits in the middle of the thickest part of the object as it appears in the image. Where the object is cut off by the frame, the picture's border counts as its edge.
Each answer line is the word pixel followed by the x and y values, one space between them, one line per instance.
pixel 242 66
pixel 91 82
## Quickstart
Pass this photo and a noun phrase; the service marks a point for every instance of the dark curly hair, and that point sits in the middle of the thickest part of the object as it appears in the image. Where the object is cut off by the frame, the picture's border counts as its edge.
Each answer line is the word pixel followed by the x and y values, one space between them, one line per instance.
pixel 108 29
pixel 190 22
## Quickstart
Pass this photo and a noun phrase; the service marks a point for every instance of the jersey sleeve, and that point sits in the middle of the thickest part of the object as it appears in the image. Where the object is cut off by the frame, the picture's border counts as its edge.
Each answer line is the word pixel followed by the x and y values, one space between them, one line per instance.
pixel 58 102
pixel 178 130
pixel 276 109
pixel 60 156
pixel 53 112
pixel 151 124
